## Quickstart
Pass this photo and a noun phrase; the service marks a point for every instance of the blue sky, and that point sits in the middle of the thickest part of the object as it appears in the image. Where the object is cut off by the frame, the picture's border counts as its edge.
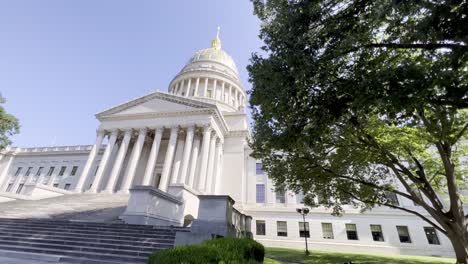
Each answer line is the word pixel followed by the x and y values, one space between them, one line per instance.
pixel 62 61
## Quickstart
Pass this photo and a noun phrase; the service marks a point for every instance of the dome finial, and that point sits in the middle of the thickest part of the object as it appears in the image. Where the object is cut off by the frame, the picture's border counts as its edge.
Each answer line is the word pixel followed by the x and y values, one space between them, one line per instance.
pixel 216 43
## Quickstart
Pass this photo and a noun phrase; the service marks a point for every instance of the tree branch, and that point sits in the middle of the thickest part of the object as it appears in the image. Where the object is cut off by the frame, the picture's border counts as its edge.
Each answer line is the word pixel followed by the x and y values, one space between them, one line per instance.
pixel 424 46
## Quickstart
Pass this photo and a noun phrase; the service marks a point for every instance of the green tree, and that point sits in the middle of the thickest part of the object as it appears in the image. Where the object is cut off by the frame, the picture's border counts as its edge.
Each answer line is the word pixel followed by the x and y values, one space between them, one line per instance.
pixel 8 126
pixel 361 99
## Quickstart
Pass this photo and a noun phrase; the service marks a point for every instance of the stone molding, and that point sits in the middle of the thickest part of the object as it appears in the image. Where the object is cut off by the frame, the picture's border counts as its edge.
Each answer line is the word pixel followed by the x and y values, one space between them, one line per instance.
pixel 156 192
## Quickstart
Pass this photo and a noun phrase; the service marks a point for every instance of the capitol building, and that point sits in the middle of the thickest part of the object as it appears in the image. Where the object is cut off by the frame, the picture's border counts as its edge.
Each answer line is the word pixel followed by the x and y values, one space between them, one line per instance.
pixel 175 158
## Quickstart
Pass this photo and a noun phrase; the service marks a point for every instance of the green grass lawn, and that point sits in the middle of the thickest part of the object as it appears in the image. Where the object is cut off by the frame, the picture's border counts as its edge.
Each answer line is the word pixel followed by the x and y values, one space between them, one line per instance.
pixel 322 257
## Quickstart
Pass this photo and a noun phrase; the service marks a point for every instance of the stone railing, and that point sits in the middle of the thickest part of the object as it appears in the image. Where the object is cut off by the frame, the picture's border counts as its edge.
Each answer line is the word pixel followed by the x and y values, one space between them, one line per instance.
pixel 216 218
pixel 51 149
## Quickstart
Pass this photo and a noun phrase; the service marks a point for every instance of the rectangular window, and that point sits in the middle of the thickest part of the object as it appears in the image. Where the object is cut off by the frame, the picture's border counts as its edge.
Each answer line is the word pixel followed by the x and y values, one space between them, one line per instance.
pixel 56 185
pixel 376 231
pixel 280 197
pixel 431 235
pixel 282 228
pixel 8 189
pixel 351 232
pixel 74 170
pixel 62 170
pixel 28 171
pixel 18 171
pixel 392 198
pixel 260 196
pixel 259 168
pixel 304 229
pixel 20 188
pixel 327 230
pixel 300 198
pixel 260 224
pixel 403 234
pixel 51 170
pixel 67 186
pixel 39 171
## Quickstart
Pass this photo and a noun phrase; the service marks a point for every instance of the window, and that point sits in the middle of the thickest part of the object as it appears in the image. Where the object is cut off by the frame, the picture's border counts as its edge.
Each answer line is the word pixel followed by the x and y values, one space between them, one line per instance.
pixel 74 170
pixel 18 171
pixel 376 231
pixel 300 197
pixel 327 230
pixel 51 170
pixel 28 171
pixel 403 233
pixel 351 232
pixel 280 197
pixel 321 199
pixel 304 229
pixel 95 172
pixel 62 170
pixel 56 185
pixel 260 224
pixel 8 189
pixel 39 171
pixel 260 197
pixel 20 188
pixel 259 168
pixel 431 235
pixel 392 198
pixel 67 186
pixel 282 228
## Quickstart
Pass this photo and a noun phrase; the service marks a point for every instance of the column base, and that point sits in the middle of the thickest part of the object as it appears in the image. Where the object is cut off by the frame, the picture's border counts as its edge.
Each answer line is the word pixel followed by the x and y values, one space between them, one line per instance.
pixel 123 192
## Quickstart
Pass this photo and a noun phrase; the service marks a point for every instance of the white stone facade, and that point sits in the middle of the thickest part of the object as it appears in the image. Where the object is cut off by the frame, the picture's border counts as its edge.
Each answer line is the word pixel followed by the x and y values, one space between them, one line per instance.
pixel 194 138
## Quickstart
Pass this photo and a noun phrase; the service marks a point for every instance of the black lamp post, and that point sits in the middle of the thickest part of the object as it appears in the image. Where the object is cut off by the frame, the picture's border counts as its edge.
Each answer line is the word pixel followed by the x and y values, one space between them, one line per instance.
pixel 304 211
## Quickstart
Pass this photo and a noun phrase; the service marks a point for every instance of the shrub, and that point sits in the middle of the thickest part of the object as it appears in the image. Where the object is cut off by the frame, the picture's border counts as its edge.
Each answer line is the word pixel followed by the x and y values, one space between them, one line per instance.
pixel 216 251
pixel 193 254
pixel 235 249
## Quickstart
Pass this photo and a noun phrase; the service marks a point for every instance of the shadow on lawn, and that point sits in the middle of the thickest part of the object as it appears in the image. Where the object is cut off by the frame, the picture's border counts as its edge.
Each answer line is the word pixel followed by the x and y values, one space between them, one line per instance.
pixel 296 256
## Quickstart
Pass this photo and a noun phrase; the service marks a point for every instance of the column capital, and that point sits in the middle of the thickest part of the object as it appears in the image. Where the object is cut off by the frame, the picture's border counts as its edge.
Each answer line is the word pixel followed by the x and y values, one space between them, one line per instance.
pixel 207 127
pixel 100 132
pixel 114 131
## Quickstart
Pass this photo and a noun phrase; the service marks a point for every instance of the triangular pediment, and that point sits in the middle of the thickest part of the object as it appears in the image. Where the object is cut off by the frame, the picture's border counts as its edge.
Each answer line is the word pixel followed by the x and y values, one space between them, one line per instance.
pixel 156 102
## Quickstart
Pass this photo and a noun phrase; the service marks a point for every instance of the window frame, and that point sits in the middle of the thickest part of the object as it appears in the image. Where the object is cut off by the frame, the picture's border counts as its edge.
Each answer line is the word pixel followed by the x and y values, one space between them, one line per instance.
pixel 282 197
pixel 330 232
pixel 39 172
pixel 62 171
pixel 284 229
pixel 74 171
pixel 434 235
pixel 355 236
pixel 377 235
pixel 259 168
pixel 261 223
pixel 18 171
pixel 51 171
pixel 409 241
pixel 260 191
pixel 304 231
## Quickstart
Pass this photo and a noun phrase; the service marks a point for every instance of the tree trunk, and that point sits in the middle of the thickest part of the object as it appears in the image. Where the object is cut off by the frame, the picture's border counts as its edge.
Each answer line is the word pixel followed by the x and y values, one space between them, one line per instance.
pixel 460 246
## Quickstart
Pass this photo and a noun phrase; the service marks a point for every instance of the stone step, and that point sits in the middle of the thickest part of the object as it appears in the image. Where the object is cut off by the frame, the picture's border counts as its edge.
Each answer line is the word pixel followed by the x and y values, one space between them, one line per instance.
pixel 104 258
pixel 124 245
pixel 115 235
pixel 96 250
pixel 135 240
pixel 88 229
pixel 91 224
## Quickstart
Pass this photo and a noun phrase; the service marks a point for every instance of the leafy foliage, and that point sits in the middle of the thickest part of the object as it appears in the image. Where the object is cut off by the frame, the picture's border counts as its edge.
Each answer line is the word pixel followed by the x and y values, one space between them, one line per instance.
pixel 361 98
pixel 8 126
pixel 216 251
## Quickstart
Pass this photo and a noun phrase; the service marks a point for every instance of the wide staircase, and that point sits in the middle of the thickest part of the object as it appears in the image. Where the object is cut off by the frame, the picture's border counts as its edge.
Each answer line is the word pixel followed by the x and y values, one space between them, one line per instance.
pixel 78 228
pixel 63 241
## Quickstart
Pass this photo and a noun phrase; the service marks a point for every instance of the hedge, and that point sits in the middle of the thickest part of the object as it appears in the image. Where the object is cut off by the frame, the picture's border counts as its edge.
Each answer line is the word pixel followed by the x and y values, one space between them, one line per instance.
pixel 216 251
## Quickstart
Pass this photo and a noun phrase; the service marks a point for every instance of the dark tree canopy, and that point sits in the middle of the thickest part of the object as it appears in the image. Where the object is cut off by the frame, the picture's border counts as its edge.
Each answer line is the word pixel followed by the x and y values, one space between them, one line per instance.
pixel 8 126
pixel 359 99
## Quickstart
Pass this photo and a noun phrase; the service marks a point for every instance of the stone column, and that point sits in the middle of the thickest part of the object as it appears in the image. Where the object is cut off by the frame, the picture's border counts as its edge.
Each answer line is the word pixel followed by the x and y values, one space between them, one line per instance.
pixel 177 157
pixel 187 94
pixel 133 161
pixel 205 89
pixel 193 162
pixel 164 182
pixel 236 102
pixel 90 161
pixel 118 161
pixel 3 177
pixel 230 95
pixel 219 165
pixel 186 156
pixel 195 93
pixel 204 158
pixel 148 177
pixel 214 89
pixel 181 89
pixel 211 165
pixel 223 95
pixel 104 161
